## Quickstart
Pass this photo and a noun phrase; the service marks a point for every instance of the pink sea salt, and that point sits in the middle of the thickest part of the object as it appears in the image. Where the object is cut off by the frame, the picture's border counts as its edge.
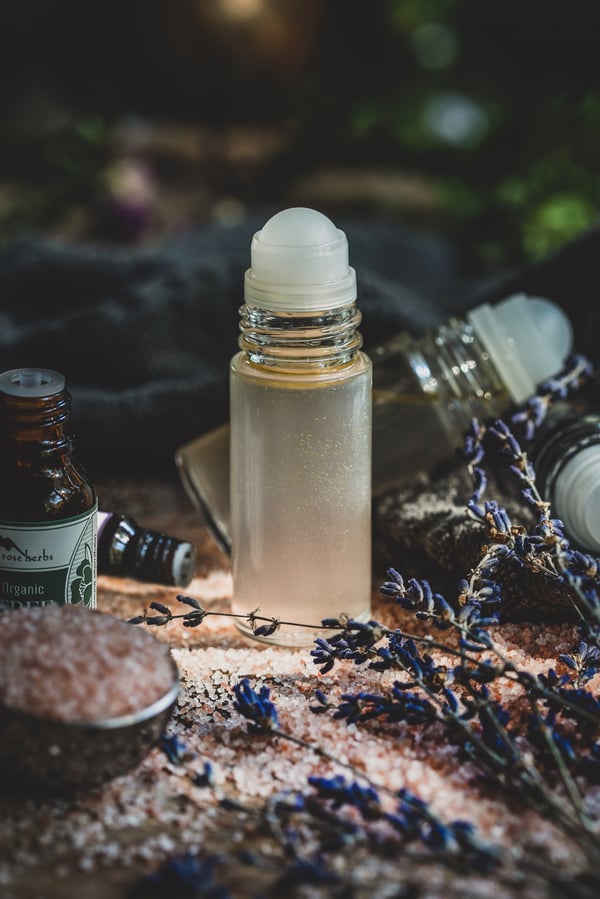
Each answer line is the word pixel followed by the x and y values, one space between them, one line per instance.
pixel 68 663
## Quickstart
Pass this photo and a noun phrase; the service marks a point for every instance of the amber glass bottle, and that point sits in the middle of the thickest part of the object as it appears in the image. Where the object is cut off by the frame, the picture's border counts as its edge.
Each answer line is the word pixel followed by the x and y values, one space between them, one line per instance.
pixel 127 550
pixel 48 505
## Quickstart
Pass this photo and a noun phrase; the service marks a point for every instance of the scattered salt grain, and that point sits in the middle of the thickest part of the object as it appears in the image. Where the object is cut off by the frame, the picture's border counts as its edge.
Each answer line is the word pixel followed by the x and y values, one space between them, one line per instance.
pixel 70 664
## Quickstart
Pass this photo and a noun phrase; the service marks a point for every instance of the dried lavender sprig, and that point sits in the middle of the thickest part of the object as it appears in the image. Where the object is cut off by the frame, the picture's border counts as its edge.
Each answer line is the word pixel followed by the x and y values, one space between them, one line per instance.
pixel 184 875
pixel 548 532
pixel 449 842
pixel 338 832
pixel 195 617
pixel 535 551
pixel 584 661
pixel 530 415
pixel 471 626
pixel 580 573
pixel 568 780
pixel 494 749
pixel 513 771
pixel 578 369
pixel 356 640
pixel 540 549
pixel 362 635
pixel 412 819
pixel 257 708
pixel 364 629
pixel 456 844
pixel 474 456
pixel 531 781
pixel 364 799
pixel 261 714
pixel 548 550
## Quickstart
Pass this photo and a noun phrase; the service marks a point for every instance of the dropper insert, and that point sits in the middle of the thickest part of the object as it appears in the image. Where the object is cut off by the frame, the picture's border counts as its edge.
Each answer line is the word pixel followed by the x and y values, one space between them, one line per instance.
pixel 31 382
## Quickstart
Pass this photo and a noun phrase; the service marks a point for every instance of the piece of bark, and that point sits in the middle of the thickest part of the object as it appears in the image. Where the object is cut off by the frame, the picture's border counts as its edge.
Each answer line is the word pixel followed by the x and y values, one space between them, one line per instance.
pixel 423 530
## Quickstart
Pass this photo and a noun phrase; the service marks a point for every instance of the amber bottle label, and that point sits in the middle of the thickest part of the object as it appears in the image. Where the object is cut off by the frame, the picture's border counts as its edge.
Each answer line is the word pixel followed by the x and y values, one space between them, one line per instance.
pixel 49 562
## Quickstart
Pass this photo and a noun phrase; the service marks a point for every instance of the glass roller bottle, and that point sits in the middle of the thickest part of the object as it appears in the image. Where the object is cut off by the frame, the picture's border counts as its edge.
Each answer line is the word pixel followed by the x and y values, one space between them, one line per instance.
pixel 300 432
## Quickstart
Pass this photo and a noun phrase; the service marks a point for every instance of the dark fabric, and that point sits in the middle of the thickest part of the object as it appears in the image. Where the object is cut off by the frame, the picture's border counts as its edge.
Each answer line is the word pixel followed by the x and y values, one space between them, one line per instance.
pixel 144 337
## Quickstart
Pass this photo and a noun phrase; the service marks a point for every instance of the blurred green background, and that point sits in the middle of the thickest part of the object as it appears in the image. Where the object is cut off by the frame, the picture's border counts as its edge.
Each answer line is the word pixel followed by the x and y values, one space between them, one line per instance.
pixel 127 122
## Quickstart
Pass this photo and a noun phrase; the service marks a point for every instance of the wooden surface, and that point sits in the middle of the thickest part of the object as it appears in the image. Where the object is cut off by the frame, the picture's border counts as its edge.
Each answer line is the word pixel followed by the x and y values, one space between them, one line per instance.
pixel 39 855
pixel 95 845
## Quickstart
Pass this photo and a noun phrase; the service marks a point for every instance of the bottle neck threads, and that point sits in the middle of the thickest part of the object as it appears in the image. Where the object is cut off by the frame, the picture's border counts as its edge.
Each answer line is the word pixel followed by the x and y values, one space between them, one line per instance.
pixel 127 550
pixel 155 558
pixel 451 368
pixel 454 364
pixel 37 425
pixel 300 341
